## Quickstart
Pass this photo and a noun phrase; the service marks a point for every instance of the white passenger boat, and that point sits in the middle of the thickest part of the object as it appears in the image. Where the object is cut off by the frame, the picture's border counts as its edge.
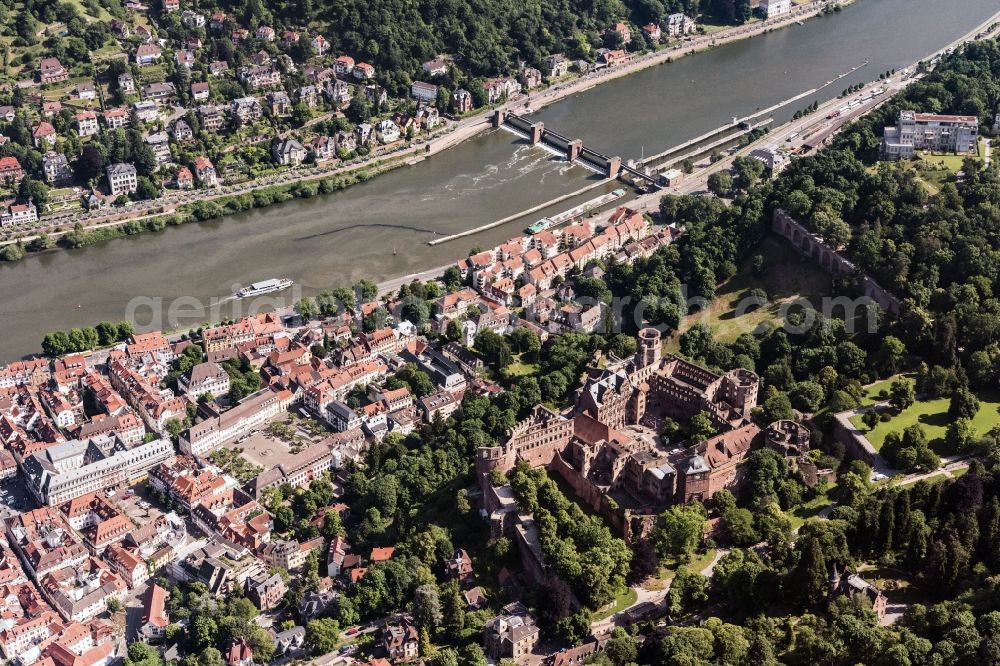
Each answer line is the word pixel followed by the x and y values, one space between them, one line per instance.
pixel 264 287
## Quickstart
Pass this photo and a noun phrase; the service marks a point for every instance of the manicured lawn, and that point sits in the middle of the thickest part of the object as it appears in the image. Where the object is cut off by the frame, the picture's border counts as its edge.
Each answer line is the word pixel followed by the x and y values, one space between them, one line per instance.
pixel 623 600
pixel 933 416
pixel 950 160
pixel 787 276
pixel 872 391
pixel 520 369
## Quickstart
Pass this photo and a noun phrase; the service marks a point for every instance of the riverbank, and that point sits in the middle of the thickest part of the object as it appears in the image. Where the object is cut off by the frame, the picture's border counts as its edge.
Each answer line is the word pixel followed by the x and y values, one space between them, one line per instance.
pixel 177 208
pixel 696 183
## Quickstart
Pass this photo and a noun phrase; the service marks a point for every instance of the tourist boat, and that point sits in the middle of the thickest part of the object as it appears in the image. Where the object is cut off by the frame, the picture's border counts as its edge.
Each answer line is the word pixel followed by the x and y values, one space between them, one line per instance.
pixel 549 222
pixel 264 287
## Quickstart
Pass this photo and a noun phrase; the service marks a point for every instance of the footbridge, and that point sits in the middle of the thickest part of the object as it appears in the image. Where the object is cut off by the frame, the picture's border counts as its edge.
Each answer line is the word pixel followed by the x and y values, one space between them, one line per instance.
pixel 573 149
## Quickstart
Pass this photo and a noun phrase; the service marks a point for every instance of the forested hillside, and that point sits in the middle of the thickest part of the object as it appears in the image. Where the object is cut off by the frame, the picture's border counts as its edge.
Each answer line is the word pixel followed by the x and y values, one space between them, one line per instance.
pixel 930 237
pixel 486 37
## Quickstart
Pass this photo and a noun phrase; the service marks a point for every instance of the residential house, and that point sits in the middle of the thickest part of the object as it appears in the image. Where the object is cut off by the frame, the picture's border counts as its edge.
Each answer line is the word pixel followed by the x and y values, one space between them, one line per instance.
pixel 774 8
pixel 320 45
pixel 17 214
pixel 461 101
pixel 364 134
pixel 158 92
pixel 260 76
pixel 50 70
pixel 122 178
pixel 308 95
pixel 678 25
pixel 265 33
pixel 459 567
pixel 239 654
pixel 85 91
pixel 182 131
pixel 217 22
pixel 623 31
pixel 261 58
pixel 266 590
pixel 556 65
pixel 115 118
pixel 44 135
pixel 147 54
pixel 512 635
pixel 615 58
pixel 218 67
pixel 126 83
pixel 184 180
pixel 435 67
pixel 423 92
pixel 363 71
pixel 184 59
pixel 345 141
pixel 146 110
pixel 530 78
pixel 208 377
pixel 388 131
pixel 280 103
pixel 324 147
pixel 400 639
pixel 441 404
pixel 192 19
pixel 428 117
pixel 337 91
pixel 11 171
pixel 212 118
pixel 343 65
pixel 289 152
pixel 290 640
pixel 246 109
pixel 501 89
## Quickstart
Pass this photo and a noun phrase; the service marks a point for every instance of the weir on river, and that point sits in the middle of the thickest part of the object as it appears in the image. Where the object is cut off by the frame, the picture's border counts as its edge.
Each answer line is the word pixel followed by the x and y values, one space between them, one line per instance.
pixel 339 238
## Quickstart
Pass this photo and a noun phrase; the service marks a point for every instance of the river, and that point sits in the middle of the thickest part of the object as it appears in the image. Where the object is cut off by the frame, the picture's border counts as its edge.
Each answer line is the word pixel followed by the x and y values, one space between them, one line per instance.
pixel 379 229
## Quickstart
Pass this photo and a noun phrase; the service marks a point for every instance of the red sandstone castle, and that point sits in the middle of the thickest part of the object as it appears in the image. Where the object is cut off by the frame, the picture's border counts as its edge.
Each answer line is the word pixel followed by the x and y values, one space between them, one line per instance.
pixel 619 468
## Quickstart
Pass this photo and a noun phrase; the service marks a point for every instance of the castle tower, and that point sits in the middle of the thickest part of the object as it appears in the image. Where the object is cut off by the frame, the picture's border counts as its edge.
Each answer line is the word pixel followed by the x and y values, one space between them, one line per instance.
pixel 488 458
pixel 648 351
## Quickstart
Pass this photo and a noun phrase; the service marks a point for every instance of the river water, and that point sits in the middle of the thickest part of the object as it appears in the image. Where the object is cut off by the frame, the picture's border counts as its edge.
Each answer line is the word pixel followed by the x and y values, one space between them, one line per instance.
pixel 379 229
